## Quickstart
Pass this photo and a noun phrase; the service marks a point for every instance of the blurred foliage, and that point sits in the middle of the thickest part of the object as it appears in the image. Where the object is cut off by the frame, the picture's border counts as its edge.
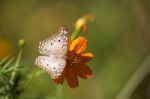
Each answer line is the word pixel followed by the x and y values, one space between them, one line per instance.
pixel 11 76
pixel 119 38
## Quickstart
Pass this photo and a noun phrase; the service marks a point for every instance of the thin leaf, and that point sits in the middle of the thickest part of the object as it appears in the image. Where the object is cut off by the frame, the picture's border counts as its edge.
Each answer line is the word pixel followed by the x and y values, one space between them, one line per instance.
pixel 11 69
pixel 7 64
pixel 4 60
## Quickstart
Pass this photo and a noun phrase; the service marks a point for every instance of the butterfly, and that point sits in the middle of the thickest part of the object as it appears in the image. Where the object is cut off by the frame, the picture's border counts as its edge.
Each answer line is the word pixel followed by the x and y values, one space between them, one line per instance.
pixel 53 51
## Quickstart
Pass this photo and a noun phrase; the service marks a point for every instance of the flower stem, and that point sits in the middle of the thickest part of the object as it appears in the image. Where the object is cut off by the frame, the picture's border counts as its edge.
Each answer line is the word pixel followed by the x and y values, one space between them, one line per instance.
pixel 74 34
pixel 35 74
pixel 21 44
pixel 59 92
pixel 135 80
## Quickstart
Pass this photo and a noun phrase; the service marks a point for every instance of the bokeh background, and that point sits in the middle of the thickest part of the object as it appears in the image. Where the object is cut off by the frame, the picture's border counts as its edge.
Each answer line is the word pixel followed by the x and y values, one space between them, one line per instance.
pixel 119 37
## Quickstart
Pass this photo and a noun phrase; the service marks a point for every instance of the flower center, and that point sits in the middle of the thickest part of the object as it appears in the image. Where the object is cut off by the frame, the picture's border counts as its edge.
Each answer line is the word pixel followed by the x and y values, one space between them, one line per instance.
pixel 74 59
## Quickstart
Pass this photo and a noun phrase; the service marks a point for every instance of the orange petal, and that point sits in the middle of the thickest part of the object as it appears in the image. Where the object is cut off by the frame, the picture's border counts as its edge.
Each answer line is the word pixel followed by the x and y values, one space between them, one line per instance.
pixel 85 57
pixel 79 45
pixel 61 78
pixel 72 77
pixel 84 71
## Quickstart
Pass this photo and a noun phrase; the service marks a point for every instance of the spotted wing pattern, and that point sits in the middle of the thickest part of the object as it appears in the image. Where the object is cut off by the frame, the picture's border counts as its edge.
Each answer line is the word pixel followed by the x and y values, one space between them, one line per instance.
pixel 54 50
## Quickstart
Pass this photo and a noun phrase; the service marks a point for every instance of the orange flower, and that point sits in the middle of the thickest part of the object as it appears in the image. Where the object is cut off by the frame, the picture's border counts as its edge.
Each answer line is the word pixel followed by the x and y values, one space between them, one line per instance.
pixel 76 63
pixel 6 48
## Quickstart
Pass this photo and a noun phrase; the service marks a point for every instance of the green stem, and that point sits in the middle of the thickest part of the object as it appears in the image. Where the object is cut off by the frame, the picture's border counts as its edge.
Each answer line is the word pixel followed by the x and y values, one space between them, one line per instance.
pixel 17 64
pixel 74 34
pixel 59 92
pixel 135 80
pixel 21 44
pixel 35 74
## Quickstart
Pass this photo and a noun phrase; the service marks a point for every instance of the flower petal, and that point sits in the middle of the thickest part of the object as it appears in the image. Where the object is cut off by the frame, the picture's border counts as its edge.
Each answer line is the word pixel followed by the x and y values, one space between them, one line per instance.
pixel 85 57
pixel 72 77
pixel 79 45
pixel 61 78
pixel 84 71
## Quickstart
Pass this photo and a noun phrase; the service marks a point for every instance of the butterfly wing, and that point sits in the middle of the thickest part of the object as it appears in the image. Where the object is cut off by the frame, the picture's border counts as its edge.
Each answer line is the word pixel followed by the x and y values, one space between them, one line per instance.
pixel 56 45
pixel 53 65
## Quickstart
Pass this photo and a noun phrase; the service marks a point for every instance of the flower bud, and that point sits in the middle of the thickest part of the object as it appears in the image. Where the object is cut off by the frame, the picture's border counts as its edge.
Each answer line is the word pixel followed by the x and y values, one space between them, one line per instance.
pixel 21 43
pixel 81 23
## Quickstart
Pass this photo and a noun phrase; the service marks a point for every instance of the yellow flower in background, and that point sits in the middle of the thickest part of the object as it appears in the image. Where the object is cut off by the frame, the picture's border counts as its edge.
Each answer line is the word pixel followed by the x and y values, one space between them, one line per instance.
pixel 6 48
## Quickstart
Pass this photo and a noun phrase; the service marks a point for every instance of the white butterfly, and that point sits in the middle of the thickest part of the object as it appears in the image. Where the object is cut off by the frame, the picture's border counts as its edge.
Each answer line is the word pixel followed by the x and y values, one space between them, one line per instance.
pixel 54 52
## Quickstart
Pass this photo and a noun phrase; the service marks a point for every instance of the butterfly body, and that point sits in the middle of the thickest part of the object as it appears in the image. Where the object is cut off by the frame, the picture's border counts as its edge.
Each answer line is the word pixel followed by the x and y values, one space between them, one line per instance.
pixel 54 50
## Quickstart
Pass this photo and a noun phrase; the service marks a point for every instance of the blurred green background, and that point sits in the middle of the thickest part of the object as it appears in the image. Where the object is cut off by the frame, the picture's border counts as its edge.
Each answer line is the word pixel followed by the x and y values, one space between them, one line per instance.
pixel 119 37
